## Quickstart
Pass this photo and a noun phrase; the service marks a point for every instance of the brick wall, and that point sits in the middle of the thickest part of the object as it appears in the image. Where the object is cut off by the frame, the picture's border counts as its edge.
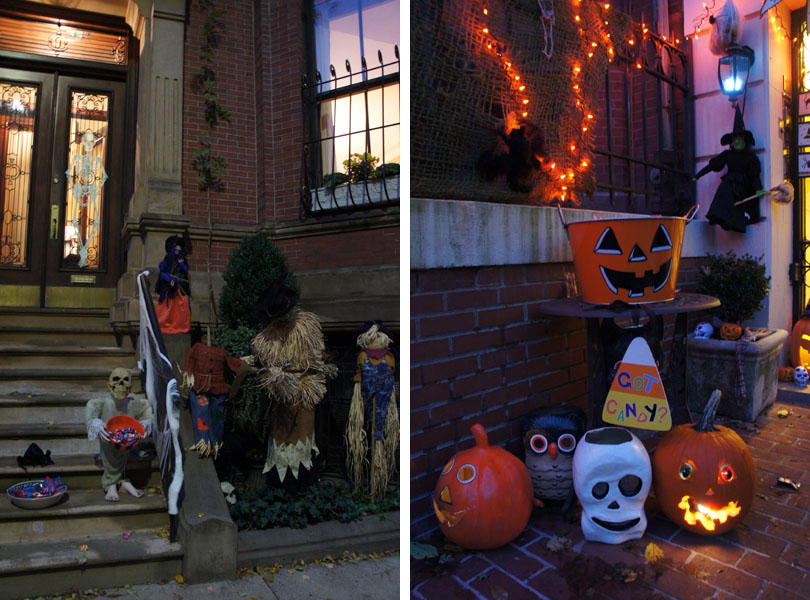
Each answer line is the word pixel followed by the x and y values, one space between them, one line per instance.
pixel 340 250
pixel 236 140
pixel 481 352
pixel 259 63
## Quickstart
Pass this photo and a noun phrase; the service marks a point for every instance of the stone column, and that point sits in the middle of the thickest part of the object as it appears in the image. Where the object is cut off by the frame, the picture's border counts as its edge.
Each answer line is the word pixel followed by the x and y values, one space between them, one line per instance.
pixel 156 207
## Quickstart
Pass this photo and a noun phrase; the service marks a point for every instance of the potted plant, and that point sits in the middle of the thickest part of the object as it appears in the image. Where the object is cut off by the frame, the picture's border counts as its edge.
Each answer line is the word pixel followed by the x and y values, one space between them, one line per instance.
pixel 745 370
pixel 367 182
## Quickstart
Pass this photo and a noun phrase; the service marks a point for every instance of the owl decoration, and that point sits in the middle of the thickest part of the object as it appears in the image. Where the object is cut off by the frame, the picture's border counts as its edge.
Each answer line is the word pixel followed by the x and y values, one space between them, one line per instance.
pixel 550 436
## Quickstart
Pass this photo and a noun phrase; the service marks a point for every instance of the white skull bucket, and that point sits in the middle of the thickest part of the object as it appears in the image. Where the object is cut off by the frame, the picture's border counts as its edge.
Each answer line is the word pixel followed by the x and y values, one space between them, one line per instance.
pixel 612 478
pixel 704 330
pixel 800 376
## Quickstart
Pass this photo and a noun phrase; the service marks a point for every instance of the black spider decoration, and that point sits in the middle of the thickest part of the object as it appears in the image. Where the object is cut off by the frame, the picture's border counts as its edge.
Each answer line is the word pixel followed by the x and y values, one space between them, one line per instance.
pixel 524 157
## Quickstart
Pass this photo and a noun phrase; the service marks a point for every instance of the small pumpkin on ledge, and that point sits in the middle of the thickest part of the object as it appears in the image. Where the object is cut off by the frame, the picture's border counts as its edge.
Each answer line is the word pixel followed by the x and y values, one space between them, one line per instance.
pixel 704 475
pixel 785 373
pixel 730 331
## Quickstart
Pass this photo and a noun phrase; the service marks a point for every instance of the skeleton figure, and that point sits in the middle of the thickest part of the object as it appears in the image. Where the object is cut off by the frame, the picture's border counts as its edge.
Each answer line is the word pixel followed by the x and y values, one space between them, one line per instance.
pixel 100 410
pixel 612 478
pixel 88 176
pixel 704 330
pixel 547 21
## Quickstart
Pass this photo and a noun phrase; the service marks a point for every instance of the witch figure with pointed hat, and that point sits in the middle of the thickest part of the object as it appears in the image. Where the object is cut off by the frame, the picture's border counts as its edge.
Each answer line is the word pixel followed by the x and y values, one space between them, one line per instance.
pixel 742 179
pixel 173 288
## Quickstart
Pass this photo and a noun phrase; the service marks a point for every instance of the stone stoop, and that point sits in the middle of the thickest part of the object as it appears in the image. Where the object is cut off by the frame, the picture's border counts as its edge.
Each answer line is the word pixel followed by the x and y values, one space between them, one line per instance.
pixel 36 568
pixel 53 361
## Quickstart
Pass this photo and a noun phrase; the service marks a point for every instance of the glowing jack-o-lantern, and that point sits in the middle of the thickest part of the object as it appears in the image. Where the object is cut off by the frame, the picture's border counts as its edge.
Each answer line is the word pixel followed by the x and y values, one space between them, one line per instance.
pixel 632 259
pixel 730 332
pixel 704 475
pixel 483 498
pixel 785 373
pixel 800 340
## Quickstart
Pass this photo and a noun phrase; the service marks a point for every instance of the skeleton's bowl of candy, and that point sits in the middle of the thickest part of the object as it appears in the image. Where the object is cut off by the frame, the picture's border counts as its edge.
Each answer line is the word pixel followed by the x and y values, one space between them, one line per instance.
pixel 40 493
pixel 125 432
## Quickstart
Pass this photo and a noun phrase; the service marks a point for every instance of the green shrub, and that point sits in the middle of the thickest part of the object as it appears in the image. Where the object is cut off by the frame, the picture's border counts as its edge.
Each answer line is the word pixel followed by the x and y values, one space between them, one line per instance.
pixel 739 283
pixel 268 507
pixel 386 170
pixel 254 264
pixel 332 180
pixel 250 408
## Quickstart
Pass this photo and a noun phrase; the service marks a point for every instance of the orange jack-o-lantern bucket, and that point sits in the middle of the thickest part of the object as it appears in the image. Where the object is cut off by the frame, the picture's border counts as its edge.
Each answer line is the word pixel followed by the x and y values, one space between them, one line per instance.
pixel 633 258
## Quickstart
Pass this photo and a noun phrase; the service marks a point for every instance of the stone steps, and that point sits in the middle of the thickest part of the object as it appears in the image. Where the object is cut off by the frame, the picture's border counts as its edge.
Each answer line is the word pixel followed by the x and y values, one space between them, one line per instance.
pixel 54 318
pixel 29 569
pixel 22 408
pixel 46 326
pixel 55 381
pixel 59 438
pixel 28 356
pixel 78 471
pixel 82 512
pixel 52 361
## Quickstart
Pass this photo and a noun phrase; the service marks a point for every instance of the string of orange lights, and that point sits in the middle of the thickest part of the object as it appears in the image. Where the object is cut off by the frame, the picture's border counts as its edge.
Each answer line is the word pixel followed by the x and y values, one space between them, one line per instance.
pixel 567 174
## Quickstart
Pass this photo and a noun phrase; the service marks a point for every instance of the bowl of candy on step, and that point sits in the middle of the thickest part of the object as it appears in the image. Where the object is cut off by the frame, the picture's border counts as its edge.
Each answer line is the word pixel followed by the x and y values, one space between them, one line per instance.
pixel 125 432
pixel 37 494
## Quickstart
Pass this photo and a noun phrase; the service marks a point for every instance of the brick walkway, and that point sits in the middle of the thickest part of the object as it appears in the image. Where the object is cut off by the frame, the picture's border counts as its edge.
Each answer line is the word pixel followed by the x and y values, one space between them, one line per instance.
pixel 767 557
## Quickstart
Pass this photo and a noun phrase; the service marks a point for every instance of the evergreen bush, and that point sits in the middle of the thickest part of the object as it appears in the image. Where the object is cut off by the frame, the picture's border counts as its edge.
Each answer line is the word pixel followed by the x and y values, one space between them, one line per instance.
pixel 254 264
pixel 739 283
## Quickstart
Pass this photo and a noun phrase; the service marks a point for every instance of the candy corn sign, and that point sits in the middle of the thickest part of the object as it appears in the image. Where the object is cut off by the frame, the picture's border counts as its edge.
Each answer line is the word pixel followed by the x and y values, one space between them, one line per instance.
pixel 637 397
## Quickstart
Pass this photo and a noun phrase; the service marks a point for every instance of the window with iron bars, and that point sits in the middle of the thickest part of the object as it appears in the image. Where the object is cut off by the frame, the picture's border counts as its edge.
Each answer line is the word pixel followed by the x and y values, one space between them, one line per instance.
pixel 644 148
pixel 351 153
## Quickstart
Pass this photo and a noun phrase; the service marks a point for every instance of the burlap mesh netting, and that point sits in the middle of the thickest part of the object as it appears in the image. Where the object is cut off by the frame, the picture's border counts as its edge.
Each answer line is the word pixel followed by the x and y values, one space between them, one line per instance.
pixel 463 92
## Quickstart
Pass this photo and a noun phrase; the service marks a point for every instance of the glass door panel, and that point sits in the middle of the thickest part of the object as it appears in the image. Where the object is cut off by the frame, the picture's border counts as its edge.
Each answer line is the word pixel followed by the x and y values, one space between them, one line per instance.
pixel 86 176
pixel 18 110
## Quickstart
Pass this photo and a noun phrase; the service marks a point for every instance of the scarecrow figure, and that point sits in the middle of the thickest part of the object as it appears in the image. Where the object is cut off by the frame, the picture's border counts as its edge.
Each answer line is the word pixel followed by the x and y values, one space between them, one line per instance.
pixel 373 395
pixel 742 179
pixel 100 410
pixel 173 312
pixel 204 373
pixel 288 354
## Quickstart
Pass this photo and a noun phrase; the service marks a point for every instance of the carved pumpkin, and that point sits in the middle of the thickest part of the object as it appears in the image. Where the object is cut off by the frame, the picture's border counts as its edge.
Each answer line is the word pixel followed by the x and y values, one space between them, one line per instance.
pixel 483 498
pixel 800 340
pixel 704 475
pixel 730 331
pixel 633 259
pixel 785 373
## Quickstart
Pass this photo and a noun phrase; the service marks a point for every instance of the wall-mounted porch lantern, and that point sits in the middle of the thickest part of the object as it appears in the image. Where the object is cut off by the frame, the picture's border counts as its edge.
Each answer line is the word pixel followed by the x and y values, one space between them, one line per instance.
pixel 733 70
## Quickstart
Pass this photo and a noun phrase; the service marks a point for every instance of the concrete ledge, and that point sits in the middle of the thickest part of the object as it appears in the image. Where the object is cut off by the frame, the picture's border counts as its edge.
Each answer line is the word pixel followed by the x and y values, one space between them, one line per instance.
pixel 459 233
pixel 206 530
pixel 789 392
pixel 373 533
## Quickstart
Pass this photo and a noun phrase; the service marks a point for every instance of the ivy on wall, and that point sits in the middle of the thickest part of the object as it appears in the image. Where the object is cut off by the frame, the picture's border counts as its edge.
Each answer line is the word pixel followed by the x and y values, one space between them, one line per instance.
pixel 209 166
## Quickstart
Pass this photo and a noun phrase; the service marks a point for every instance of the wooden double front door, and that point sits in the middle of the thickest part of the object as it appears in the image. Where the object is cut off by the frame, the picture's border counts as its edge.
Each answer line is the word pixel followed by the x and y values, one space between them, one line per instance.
pixel 61 187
